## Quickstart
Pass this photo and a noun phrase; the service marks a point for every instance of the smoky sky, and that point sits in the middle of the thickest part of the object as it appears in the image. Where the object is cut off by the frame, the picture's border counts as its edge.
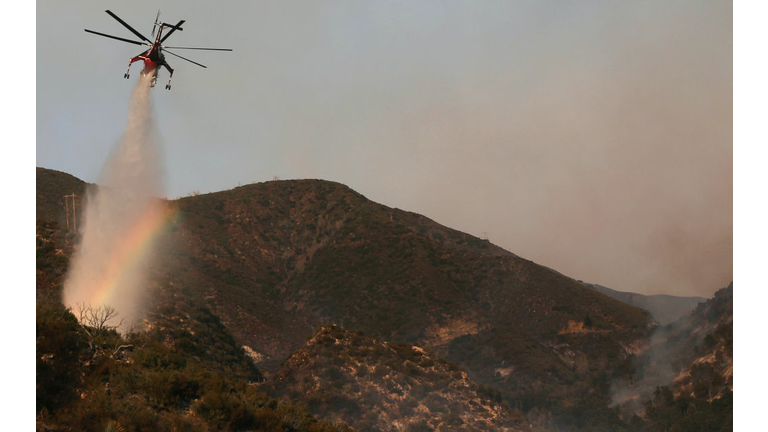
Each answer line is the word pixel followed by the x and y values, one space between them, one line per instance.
pixel 592 137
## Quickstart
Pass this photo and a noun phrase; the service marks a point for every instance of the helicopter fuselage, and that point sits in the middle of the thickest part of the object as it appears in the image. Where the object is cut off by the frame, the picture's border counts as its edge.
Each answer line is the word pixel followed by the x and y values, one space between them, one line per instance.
pixel 153 58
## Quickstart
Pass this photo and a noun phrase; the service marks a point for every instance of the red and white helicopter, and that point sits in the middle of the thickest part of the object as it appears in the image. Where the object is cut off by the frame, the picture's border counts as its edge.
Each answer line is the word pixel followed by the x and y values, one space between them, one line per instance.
pixel 153 57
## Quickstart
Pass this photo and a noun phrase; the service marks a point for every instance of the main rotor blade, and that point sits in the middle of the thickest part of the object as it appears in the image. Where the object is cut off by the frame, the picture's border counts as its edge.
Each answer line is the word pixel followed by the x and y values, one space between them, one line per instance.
pixel 157 18
pixel 118 38
pixel 173 29
pixel 177 26
pixel 205 49
pixel 184 58
pixel 133 30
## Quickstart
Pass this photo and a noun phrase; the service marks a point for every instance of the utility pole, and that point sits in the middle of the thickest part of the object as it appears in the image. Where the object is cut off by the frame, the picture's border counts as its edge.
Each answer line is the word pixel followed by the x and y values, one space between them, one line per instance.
pixel 74 210
pixel 66 210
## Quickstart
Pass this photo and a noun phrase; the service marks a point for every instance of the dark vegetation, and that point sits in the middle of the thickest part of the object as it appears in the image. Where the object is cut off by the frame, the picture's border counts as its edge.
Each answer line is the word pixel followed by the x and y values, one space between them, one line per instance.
pixel 667 412
pixel 151 384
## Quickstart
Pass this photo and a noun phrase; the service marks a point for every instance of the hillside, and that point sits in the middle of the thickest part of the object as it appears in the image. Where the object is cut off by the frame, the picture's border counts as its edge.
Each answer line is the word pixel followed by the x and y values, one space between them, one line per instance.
pixel 184 371
pixel 273 261
pixel 52 186
pixel 684 377
pixel 376 386
pixel 664 308
pixel 701 347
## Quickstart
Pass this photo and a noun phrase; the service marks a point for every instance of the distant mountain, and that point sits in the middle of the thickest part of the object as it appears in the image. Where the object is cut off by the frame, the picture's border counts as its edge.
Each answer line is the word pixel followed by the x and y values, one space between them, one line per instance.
pixel 273 261
pixel 664 308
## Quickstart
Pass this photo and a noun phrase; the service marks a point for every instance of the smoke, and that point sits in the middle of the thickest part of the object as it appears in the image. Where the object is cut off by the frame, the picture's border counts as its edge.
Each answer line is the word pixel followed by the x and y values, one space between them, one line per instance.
pixel 653 368
pixel 121 216
pixel 594 137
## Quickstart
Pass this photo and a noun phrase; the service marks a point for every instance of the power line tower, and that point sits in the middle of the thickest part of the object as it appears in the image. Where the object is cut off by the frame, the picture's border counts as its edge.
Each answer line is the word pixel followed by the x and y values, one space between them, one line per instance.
pixel 74 210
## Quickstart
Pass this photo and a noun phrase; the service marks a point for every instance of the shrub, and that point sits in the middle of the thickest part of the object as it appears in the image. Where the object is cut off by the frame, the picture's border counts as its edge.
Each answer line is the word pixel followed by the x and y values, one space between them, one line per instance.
pixel 60 345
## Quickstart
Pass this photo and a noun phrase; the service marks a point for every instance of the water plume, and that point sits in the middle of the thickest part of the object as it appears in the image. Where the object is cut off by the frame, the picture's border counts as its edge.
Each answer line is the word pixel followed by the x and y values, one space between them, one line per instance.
pixel 122 220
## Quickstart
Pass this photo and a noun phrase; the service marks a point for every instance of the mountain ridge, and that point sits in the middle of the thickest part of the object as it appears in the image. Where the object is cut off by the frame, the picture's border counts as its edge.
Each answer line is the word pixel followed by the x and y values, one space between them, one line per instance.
pixel 306 255
pixel 664 308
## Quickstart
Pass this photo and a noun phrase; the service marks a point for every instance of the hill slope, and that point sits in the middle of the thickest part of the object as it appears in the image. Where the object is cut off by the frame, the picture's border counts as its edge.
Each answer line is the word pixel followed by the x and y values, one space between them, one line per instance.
pixel 52 186
pixel 275 260
pixel 701 348
pixel 375 385
pixel 184 372
pixel 684 377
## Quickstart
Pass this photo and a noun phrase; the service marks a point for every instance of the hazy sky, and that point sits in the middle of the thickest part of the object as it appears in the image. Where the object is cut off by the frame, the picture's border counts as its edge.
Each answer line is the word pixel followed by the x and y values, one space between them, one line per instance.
pixel 594 137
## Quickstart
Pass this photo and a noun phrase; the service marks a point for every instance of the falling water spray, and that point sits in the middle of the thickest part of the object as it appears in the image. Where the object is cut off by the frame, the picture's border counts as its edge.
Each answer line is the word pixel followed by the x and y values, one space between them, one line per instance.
pixel 122 218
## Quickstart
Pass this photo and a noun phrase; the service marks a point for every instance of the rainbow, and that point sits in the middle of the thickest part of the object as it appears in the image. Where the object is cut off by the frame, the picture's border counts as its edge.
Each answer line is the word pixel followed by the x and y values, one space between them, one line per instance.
pixel 129 252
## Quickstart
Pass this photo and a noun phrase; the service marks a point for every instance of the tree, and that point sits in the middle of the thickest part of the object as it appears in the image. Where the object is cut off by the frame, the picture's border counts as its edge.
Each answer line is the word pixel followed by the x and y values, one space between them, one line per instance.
pixel 95 322
pixel 97 318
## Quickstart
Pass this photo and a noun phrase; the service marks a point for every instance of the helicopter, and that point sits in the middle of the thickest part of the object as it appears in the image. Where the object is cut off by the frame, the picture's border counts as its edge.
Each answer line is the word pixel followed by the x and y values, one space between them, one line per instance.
pixel 153 58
